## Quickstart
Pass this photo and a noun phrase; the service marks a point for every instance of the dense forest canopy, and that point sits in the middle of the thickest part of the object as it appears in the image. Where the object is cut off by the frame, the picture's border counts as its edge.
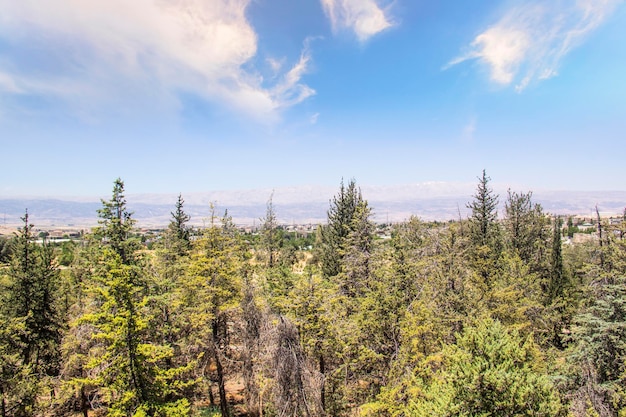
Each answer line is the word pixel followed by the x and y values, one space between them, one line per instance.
pixel 492 315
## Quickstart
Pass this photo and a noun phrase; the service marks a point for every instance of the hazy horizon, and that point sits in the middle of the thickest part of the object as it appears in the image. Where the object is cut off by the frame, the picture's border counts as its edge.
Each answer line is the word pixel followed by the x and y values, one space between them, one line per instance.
pixel 308 204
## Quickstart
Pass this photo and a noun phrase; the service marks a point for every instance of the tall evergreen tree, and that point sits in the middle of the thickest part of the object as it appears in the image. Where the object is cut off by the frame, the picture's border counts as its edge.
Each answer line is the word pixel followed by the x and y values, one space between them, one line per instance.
pixel 483 220
pixel 557 278
pixel 178 235
pixel 598 336
pixel 212 290
pixel 340 223
pixel 269 233
pixel 356 265
pixel 525 226
pixel 485 236
pixel 128 367
pixel 116 224
pixel 32 322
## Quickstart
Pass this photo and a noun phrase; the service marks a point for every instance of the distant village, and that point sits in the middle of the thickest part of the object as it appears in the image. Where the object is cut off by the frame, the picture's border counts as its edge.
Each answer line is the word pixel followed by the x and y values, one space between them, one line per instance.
pixel 576 229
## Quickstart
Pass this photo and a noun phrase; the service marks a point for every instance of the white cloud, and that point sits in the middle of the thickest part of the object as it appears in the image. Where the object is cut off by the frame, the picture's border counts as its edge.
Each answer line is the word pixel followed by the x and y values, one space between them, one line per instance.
pixel 289 90
pixel 102 46
pixel 364 17
pixel 529 42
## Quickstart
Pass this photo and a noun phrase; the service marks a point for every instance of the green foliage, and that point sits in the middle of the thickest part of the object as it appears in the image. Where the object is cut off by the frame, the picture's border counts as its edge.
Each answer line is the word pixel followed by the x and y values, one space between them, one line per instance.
pixel 116 357
pixel 356 252
pixel 489 372
pixel 178 235
pixel 67 254
pixel 129 368
pixel 31 323
pixel 599 349
pixel 525 226
pixel 340 223
pixel 116 224
pixel 485 237
pixel 270 235
pixel 476 317
pixel 5 249
pixel 484 230
pixel 211 291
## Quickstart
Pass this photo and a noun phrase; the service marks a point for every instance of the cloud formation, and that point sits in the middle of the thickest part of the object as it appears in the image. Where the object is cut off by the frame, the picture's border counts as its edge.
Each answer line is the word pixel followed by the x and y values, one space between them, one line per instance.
pixel 529 42
pixel 100 47
pixel 364 17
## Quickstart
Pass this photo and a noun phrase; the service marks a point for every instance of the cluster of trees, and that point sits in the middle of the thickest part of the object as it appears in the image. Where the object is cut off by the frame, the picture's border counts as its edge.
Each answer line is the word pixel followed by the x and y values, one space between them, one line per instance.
pixel 484 316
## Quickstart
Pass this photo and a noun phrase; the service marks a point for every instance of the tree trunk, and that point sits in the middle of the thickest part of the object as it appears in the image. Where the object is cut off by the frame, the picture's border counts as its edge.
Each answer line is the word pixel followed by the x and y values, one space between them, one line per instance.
pixel 323 388
pixel 211 397
pixel 220 371
pixel 3 406
pixel 84 403
pixel 220 383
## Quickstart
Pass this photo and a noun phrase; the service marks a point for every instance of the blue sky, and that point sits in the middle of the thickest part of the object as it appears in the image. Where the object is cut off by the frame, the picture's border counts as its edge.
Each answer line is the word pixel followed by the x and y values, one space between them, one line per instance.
pixel 200 95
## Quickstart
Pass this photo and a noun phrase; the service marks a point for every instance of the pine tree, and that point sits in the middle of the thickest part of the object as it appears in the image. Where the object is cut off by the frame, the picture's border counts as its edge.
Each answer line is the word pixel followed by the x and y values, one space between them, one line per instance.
pixel 356 265
pixel 489 372
pixel 485 235
pixel 525 226
pixel 483 225
pixel 340 222
pixel 269 233
pixel 311 311
pixel 129 368
pixel 598 336
pixel 557 278
pixel 211 291
pixel 116 224
pixel 178 235
pixel 32 323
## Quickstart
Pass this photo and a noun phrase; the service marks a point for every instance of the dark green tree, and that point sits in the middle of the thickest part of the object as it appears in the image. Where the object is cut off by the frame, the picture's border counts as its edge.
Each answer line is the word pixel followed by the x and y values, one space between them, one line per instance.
pixel 116 224
pixel 5 250
pixel 29 310
pixel 597 350
pixel 358 248
pixel 484 228
pixel 485 236
pixel 556 284
pixel 340 223
pixel 525 227
pixel 168 272
pixel 178 235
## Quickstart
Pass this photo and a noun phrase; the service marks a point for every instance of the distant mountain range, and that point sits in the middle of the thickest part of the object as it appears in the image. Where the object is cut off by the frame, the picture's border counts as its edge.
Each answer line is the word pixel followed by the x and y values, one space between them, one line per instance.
pixel 300 205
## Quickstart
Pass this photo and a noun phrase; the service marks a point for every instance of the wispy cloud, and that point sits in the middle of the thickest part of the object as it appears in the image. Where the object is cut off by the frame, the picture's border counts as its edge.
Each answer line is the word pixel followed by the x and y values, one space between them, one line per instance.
pixel 529 41
pixel 290 90
pixel 364 17
pixel 99 47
